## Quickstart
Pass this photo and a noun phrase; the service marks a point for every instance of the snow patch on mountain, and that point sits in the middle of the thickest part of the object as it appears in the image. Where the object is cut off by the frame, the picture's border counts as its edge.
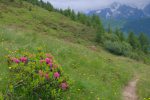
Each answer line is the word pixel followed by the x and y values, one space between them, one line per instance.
pixel 120 11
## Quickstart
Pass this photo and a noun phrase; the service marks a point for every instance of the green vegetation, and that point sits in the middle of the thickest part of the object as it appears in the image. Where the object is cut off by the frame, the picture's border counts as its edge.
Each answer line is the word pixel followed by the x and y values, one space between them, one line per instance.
pixel 96 74
pixel 35 75
pixel 135 47
pixel 100 35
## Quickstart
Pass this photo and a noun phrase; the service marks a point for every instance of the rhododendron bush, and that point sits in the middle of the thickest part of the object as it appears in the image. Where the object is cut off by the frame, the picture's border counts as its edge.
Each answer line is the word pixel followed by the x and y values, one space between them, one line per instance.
pixel 35 76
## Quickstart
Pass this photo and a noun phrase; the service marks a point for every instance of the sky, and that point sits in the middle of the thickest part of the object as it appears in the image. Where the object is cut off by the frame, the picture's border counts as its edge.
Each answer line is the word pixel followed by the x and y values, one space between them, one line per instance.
pixel 85 5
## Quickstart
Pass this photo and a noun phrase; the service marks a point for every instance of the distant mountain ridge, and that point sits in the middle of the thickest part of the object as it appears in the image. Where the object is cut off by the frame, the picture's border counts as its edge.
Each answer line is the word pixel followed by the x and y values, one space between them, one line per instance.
pixel 147 10
pixel 121 15
pixel 119 11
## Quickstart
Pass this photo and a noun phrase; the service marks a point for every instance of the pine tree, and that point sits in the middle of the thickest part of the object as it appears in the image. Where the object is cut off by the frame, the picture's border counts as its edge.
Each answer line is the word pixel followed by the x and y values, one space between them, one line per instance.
pixel 73 15
pixel 120 35
pixel 144 42
pixel 133 41
pixel 109 29
pixel 100 30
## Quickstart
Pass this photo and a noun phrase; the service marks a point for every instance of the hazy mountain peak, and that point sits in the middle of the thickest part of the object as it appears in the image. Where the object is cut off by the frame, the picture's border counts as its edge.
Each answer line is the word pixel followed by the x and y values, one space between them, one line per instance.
pixel 115 5
pixel 118 10
pixel 147 9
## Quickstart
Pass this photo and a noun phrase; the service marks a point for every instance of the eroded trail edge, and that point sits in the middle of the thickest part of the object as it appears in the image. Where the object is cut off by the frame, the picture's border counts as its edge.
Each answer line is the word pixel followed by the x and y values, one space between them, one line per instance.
pixel 129 91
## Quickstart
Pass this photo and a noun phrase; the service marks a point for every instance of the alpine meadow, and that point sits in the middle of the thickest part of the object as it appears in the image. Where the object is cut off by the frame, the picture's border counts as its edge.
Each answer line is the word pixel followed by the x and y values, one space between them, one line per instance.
pixel 47 53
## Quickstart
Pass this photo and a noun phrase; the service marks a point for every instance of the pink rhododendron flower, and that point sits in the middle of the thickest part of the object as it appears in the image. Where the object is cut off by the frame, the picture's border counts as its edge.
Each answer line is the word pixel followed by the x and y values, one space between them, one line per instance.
pixel 41 73
pixel 23 59
pixel 48 60
pixel 64 86
pixel 50 64
pixel 56 75
pixel 15 60
pixel 47 76
pixel 41 61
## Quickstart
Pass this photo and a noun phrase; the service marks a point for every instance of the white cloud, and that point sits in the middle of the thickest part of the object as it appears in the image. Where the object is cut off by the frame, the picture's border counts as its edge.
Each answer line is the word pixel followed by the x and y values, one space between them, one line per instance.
pixel 83 5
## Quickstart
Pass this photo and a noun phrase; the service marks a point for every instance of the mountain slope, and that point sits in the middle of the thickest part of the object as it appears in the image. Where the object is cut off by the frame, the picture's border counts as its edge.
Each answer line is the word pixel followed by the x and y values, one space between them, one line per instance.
pixel 125 17
pixel 119 11
pixel 50 23
pixel 138 26
pixel 97 74
pixel 147 10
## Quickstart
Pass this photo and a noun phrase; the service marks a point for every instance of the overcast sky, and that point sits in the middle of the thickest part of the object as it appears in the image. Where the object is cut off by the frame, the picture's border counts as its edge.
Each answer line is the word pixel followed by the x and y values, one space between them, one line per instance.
pixel 84 5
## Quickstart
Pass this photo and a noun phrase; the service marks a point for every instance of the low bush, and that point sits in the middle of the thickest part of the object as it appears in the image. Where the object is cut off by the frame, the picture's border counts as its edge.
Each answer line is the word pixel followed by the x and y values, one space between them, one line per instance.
pixel 35 76
pixel 119 48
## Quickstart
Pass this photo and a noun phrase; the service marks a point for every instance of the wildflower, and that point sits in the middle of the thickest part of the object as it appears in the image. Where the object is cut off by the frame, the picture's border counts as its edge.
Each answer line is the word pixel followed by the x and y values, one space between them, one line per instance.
pixel 64 86
pixel 41 73
pixel 41 61
pixel 50 64
pixel 48 60
pixel 23 59
pixel 15 60
pixel 47 76
pixel 56 75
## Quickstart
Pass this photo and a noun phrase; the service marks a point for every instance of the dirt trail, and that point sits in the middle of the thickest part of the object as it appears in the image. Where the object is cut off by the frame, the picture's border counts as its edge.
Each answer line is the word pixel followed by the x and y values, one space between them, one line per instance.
pixel 129 92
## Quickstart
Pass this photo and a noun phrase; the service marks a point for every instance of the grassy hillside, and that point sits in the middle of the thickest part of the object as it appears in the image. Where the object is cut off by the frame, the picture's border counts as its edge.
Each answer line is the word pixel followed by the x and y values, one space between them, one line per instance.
pixel 96 73
pixel 44 22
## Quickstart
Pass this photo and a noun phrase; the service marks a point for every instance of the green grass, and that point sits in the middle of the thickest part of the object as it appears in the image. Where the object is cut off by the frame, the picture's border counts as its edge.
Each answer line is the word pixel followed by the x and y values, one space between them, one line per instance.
pixel 45 22
pixel 96 74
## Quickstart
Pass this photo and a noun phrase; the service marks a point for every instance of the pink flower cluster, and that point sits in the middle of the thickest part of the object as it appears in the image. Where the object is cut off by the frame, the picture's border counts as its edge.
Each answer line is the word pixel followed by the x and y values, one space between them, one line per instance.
pixel 42 74
pixel 48 60
pixel 22 59
pixel 50 63
pixel 56 75
pixel 15 60
pixel 64 85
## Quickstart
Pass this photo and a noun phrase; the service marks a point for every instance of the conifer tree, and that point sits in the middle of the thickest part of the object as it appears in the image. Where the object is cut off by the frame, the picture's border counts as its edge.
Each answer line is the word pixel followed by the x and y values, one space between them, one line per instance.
pixel 144 42
pixel 109 29
pixel 119 34
pixel 133 41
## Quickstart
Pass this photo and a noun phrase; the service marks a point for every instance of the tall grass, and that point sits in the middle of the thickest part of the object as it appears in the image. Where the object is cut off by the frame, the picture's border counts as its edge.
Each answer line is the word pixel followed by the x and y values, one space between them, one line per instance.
pixel 95 75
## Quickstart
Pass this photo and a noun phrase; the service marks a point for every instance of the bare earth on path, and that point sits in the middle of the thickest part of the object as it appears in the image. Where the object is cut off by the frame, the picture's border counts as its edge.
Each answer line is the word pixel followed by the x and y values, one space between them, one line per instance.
pixel 129 91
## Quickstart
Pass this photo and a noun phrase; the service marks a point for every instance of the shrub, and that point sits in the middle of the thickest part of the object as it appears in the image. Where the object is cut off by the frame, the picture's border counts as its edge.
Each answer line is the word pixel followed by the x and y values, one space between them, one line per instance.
pixel 35 76
pixel 111 37
pixel 147 60
pixel 117 47
pixel 134 55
